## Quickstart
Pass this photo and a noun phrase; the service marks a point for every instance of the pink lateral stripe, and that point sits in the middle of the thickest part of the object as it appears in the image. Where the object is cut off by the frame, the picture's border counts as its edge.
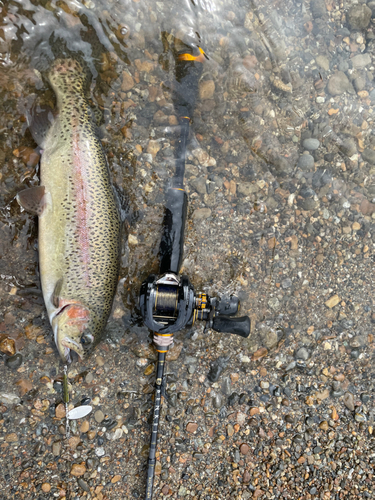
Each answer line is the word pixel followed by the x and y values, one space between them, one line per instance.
pixel 80 176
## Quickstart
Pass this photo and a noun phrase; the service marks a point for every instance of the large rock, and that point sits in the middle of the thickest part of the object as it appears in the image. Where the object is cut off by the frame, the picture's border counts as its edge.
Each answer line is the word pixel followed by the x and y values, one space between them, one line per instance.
pixel 369 156
pixel 339 83
pixel 359 16
pixel 206 89
pixel 360 61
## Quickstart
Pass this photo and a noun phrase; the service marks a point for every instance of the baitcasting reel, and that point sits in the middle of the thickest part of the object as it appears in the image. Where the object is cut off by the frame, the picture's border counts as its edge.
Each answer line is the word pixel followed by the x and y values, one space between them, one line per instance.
pixel 169 303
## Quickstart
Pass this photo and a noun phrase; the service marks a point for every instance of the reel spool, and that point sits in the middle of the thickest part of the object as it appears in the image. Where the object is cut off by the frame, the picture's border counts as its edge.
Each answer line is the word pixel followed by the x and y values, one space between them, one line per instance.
pixel 169 303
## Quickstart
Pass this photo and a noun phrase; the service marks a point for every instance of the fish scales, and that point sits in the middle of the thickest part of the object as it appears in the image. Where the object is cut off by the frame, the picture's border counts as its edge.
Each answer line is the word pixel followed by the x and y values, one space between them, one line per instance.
pixel 80 227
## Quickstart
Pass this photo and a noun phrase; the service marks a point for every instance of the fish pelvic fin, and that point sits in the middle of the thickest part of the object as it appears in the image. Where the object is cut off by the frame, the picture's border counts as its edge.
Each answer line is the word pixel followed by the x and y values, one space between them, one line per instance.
pixel 32 200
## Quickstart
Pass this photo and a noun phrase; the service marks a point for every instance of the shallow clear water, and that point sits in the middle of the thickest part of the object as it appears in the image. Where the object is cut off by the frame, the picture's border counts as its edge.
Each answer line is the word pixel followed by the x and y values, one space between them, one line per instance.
pixel 263 91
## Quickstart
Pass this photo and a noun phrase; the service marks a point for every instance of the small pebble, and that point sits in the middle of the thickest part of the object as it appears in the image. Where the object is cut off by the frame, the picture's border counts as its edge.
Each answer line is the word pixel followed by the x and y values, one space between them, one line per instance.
pixel 46 487
pixel 99 416
pixel 14 362
pixel 78 470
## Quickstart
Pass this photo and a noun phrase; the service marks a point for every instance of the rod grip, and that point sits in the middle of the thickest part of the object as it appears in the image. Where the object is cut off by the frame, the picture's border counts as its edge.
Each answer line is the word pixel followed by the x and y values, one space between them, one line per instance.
pixel 150 478
pixel 237 326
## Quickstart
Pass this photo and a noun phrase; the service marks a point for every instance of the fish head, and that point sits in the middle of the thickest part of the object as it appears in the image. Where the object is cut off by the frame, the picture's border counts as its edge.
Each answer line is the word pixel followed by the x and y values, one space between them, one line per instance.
pixel 72 331
pixel 67 75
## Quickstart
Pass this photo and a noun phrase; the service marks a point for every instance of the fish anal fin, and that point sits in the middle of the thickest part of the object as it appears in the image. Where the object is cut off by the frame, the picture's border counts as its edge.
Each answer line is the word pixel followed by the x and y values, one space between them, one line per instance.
pixel 57 293
pixel 32 199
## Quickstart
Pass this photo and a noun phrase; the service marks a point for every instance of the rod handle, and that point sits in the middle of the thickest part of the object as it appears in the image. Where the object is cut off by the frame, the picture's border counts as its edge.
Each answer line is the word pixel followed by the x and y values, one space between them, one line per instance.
pixel 237 326
pixel 150 478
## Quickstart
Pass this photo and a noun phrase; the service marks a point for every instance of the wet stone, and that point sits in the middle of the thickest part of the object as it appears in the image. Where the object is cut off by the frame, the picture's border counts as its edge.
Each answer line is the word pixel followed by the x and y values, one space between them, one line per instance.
pixel 318 8
pixel 302 353
pixel 360 83
pixel 78 470
pixel 349 401
pixel 14 362
pixel 46 487
pixel 244 449
pixel 192 427
pixel 298 438
pixel 335 385
pixel 199 184
pixel 226 386
pixel 201 213
pixel 348 147
pixel 306 162
pixel 311 144
pixel 359 417
pixel 233 399
pixel 9 398
pixel 8 346
pixel 60 411
pixel 243 398
pixel 267 333
pixel 82 484
pixel 92 463
pixel 369 156
pixel 290 367
pixel 365 398
pixel 217 401
pixel 338 84
pixel 324 425
pixel 217 367
pixel 359 16
pixel 286 283
pixel 99 416
pixel 99 452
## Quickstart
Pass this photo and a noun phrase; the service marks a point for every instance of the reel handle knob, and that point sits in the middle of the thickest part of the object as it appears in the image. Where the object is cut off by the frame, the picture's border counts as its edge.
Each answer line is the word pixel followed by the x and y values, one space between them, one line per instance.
pixel 237 326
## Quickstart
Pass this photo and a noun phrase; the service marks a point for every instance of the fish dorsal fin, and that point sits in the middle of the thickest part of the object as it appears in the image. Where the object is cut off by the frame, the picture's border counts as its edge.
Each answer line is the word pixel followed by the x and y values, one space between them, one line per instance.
pixel 57 293
pixel 32 199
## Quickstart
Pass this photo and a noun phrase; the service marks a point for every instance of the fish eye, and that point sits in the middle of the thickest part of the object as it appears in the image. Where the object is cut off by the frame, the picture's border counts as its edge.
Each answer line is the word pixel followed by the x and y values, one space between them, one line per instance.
pixel 87 338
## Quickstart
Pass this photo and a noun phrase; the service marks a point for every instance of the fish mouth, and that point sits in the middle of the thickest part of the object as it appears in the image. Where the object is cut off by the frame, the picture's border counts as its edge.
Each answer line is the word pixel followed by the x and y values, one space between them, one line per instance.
pixel 66 353
pixel 65 343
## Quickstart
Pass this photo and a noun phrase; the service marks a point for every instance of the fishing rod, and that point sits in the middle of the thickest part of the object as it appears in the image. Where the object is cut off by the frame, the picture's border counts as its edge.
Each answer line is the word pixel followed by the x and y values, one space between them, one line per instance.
pixel 168 301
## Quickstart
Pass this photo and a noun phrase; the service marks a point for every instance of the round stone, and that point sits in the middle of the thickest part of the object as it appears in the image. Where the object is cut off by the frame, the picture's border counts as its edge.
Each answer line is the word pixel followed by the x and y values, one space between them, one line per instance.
pixel 306 162
pixel 311 144
pixel 244 449
pixel 99 416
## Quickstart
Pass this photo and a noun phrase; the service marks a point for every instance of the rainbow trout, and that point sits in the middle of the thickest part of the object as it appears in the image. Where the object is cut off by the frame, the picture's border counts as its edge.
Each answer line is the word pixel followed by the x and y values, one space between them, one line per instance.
pixel 79 219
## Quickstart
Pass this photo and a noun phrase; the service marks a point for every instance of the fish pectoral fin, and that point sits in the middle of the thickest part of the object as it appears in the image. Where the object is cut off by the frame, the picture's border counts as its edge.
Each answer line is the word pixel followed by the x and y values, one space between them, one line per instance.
pixel 39 123
pixel 32 199
pixel 57 293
